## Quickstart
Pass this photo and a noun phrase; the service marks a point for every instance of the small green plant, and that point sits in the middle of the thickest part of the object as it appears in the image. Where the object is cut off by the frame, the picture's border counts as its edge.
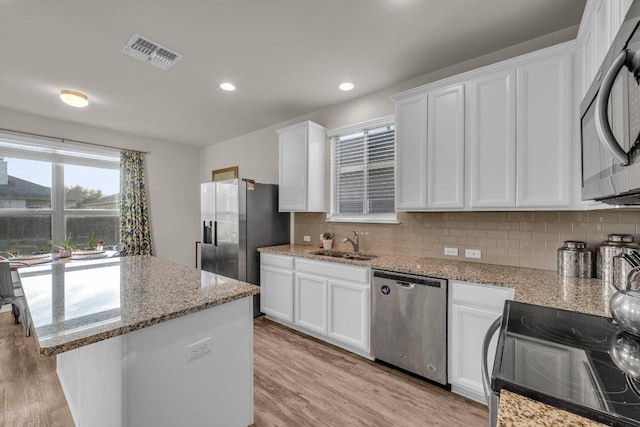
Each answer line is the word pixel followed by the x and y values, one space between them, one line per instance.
pixel 92 240
pixel 65 244
pixel 326 236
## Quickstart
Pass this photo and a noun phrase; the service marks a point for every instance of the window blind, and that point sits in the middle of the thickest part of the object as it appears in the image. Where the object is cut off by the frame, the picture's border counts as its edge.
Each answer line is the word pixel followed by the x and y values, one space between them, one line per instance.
pixel 55 151
pixel 363 171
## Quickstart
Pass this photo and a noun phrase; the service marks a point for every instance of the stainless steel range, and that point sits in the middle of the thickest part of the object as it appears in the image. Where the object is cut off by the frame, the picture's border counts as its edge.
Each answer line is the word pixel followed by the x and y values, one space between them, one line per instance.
pixel 574 361
pixel 409 323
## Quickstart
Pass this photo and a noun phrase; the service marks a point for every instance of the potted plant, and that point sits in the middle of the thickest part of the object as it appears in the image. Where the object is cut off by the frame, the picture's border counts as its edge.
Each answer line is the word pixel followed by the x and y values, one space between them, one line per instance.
pixel 91 244
pixel 100 245
pixel 65 247
pixel 327 240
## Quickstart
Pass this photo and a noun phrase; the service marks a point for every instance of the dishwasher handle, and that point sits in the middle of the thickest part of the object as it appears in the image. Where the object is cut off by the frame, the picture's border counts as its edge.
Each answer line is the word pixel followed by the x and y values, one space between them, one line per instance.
pixel 486 377
pixel 405 285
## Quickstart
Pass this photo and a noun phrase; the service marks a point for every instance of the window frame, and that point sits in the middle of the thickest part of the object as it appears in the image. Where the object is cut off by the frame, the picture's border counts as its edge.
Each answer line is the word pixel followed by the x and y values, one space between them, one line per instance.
pixel 384 218
pixel 57 212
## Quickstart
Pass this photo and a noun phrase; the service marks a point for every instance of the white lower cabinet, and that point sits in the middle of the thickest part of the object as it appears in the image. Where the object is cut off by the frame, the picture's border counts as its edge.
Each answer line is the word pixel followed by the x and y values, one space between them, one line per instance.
pixel 310 303
pixel 276 286
pixel 327 300
pixel 472 309
pixel 349 313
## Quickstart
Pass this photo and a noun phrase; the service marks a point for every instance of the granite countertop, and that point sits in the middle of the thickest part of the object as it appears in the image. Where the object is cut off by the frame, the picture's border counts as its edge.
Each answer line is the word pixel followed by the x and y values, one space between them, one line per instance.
pixel 519 411
pixel 76 304
pixel 541 287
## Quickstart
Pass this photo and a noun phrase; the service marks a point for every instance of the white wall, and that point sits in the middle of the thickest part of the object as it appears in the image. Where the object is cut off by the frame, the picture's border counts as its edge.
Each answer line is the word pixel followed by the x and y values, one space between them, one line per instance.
pixel 256 153
pixel 172 176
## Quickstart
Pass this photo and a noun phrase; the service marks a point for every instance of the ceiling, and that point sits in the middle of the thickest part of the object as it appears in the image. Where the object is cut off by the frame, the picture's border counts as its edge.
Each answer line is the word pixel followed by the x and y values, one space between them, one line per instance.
pixel 286 57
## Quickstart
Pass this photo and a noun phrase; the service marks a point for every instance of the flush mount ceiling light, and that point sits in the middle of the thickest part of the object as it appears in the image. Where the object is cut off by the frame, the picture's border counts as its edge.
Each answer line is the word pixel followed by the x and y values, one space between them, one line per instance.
pixel 73 98
pixel 346 86
pixel 228 87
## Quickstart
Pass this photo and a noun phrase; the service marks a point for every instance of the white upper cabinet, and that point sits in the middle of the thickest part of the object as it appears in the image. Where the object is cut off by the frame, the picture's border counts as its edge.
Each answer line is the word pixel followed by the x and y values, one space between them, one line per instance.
pixel 600 24
pixel 445 148
pixel 499 137
pixel 491 132
pixel 411 153
pixel 430 150
pixel 302 168
pixel 544 113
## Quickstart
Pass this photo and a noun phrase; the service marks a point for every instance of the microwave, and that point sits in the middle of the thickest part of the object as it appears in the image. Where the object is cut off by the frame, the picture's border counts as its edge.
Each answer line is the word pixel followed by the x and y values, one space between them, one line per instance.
pixel 610 121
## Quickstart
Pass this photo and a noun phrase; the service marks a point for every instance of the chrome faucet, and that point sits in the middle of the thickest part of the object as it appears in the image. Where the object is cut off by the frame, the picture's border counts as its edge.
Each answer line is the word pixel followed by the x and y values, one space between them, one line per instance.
pixel 355 242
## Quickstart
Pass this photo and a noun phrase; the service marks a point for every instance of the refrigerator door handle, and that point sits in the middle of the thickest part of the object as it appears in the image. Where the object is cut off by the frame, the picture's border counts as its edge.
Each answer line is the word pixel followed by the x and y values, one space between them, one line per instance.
pixel 215 233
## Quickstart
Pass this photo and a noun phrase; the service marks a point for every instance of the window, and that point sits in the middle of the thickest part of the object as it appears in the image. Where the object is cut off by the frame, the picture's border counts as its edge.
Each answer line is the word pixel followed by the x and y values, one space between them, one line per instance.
pixel 363 172
pixel 49 190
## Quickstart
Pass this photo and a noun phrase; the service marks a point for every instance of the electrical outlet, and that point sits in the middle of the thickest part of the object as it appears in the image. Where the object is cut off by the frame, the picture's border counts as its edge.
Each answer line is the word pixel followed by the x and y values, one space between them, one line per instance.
pixel 306 238
pixel 451 251
pixel 473 253
pixel 198 348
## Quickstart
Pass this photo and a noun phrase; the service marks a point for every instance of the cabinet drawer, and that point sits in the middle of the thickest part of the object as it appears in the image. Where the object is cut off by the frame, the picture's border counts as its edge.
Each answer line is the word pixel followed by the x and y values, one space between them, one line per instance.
pixel 333 270
pixel 276 260
pixel 480 295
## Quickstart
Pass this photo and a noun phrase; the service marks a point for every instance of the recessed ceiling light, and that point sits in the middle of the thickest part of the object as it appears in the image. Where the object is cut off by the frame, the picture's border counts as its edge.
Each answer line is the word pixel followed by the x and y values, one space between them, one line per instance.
pixel 73 98
pixel 227 86
pixel 346 86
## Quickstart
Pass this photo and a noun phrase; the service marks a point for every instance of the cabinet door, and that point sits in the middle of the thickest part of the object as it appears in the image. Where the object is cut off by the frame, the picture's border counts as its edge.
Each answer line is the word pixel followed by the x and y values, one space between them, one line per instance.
pixel 491 140
pixel 411 152
pixel 292 191
pixel 468 326
pixel 276 293
pixel 310 296
pixel 544 133
pixel 589 64
pixel 445 148
pixel 349 313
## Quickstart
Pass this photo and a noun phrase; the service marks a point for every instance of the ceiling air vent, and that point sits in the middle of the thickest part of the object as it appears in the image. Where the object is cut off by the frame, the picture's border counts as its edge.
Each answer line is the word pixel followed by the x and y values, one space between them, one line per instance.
pixel 151 52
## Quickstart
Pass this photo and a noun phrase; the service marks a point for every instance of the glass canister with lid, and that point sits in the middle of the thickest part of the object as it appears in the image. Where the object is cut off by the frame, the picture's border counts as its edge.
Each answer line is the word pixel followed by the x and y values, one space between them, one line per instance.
pixel 616 244
pixel 575 260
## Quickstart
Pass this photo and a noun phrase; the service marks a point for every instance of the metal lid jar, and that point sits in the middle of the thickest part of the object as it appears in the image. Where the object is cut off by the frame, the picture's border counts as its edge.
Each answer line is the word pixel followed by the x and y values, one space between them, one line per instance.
pixel 621 268
pixel 614 245
pixel 575 260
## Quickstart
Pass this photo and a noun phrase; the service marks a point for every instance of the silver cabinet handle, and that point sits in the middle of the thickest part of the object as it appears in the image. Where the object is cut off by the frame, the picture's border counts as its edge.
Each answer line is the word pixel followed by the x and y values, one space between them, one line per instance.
pixel 603 128
pixel 486 378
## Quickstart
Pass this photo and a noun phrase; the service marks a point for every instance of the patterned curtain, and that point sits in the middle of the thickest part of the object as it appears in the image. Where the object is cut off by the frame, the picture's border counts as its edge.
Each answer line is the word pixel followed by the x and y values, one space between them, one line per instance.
pixel 135 231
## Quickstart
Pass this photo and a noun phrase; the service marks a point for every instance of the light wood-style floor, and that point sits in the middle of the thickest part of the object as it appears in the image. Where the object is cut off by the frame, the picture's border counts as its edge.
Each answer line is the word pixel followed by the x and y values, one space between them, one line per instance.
pixel 30 393
pixel 299 381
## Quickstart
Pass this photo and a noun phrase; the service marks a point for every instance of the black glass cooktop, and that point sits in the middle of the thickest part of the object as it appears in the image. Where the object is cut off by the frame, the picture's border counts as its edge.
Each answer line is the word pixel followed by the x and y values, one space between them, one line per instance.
pixel 574 361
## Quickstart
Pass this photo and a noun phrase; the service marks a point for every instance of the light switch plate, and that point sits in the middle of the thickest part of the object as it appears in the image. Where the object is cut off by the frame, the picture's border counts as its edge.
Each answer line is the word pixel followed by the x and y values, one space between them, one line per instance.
pixel 306 238
pixel 473 253
pixel 451 251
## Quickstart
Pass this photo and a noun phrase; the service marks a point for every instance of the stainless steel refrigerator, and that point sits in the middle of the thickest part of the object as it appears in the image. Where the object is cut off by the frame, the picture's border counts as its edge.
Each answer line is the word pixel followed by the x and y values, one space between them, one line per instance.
pixel 239 216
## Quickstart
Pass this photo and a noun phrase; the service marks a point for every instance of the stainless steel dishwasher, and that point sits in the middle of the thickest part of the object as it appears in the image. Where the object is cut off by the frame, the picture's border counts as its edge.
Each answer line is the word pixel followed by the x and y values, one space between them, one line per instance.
pixel 409 323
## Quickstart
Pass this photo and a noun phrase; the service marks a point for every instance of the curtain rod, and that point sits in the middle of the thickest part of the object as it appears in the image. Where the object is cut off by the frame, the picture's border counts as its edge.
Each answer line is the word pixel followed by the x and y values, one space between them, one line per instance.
pixel 63 140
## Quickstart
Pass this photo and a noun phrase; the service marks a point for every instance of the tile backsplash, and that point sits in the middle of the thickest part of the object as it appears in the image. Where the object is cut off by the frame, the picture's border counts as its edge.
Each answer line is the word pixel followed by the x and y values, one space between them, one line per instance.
pixel 524 239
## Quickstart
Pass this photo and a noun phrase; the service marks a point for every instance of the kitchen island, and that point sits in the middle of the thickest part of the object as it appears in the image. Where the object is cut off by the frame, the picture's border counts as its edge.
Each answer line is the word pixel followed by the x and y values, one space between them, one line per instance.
pixel 143 341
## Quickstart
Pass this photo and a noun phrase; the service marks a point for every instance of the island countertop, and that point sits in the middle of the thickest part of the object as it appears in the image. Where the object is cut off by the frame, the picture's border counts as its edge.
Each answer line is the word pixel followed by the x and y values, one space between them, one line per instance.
pixel 541 287
pixel 76 304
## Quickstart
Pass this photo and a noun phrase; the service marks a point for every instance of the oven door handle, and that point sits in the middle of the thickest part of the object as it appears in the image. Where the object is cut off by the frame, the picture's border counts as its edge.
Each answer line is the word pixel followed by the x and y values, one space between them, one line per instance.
pixel 486 377
pixel 603 128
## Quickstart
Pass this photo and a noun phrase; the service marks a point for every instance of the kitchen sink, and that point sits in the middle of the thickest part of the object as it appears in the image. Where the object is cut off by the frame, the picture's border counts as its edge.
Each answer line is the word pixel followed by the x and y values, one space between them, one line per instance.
pixel 344 255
